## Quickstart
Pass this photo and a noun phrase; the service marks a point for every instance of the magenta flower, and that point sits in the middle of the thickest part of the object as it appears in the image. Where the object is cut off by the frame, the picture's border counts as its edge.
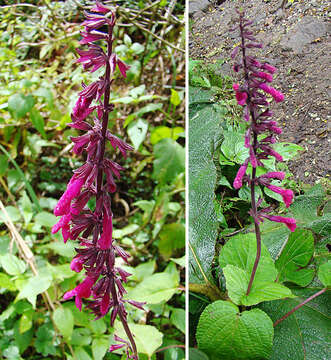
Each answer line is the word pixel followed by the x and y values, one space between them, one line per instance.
pixel 280 175
pixel 277 95
pixel 237 183
pixel 241 96
pixel 289 222
pixel 286 194
pixel 102 289
pixel 263 75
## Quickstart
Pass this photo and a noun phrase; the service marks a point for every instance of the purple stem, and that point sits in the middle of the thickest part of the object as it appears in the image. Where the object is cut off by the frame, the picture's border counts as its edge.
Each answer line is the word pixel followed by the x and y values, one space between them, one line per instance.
pixel 252 184
pixel 299 306
pixel 107 108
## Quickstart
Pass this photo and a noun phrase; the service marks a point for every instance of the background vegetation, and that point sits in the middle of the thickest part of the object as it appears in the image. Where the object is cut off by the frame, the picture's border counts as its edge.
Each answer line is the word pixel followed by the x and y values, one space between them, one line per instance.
pixel 39 85
pixel 221 231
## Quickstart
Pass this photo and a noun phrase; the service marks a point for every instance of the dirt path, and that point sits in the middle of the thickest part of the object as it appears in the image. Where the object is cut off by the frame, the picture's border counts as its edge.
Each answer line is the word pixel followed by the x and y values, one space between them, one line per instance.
pixel 296 41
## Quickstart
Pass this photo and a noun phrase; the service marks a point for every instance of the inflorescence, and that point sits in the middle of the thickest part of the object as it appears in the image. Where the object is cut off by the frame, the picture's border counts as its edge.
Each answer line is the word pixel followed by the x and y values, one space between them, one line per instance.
pixel 93 229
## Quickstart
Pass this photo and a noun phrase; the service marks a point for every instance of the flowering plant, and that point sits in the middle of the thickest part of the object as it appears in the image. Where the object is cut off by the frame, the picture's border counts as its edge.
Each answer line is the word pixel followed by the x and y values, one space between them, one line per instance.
pixel 260 135
pixel 93 229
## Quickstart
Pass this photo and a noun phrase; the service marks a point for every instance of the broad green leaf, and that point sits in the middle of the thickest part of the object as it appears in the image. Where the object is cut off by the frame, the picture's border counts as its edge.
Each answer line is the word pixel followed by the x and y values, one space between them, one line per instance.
pixel 159 133
pixel 306 333
pixel 296 254
pixel 174 98
pixel 172 238
pixel 204 132
pixel 305 206
pixel 237 281
pixel 169 160
pixel 98 326
pixel 200 96
pixel 81 337
pixel 99 348
pixel 148 338
pixel 13 212
pixel 38 122
pixel 12 264
pixel 44 341
pixel 46 219
pixel 137 131
pixel 224 333
pixel 3 164
pixel 46 94
pixel 25 322
pixel 127 230
pixel 142 271
pixel 324 274
pixel 81 354
pixel 149 108
pixel 237 260
pixel 233 147
pixel 23 340
pixel 196 354
pixel 178 319
pixel 180 261
pixel 34 286
pixel 6 282
pixel 19 105
pixel 64 321
pixel 159 287
pixel 64 249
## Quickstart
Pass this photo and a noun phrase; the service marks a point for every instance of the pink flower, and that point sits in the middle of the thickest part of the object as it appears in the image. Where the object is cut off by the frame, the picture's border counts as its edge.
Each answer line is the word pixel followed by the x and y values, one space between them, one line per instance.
pixel 77 264
pixel 277 95
pixel 263 75
pixel 116 142
pixel 81 109
pixel 89 37
pixel 114 60
pixel 269 68
pixel 100 8
pixel 274 175
pixel 240 96
pixel 63 224
pixel 73 189
pixel 83 290
pixel 106 237
pixel 289 222
pixel 286 194
pixel 237 183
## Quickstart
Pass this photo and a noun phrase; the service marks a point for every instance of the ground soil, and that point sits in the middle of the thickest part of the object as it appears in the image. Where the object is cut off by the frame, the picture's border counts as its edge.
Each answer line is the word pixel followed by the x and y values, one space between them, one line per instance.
pixel 296 41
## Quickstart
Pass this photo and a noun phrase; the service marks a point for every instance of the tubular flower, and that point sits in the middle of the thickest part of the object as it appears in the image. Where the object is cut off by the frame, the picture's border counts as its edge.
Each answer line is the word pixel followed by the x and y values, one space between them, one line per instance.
pixel 102 289
pixel 252 95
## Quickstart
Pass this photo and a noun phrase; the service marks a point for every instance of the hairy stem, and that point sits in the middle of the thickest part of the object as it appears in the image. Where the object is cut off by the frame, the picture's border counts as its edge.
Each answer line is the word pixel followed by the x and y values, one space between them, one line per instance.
pixel 299 306
pixel 252 184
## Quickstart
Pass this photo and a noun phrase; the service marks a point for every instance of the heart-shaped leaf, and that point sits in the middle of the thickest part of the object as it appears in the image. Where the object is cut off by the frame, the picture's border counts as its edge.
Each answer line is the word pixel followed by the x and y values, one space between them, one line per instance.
pixel 224 333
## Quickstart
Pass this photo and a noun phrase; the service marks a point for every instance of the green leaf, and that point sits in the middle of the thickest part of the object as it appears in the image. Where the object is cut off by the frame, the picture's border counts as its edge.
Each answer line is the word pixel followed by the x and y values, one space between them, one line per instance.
pixel 172 238
pixel 25 322
pixel 23 340
pixel 46 94
pixel 81 354
pixel 26 207
pixel 38 122
pixel 174 98
pixel 142 271
pixel 204 130
pixel 3 164
pixel 127 230
pixel 157 288
pixel 224 333
pixel 324 274
pixel 179 261
pixel 196 354
pixel 34 286
pixel 137 48
pixel 178 319
pixel 237 260
pixel 64 321
pixel 233 147
pixel 46 219
pixel 159 133
pixel 306 333
pixel 148 339
pixel 81 337
pixel 13 213
pixel 137 91
pixel 12 264
pixel 99 348
pixel 169 161
pixel 137 131
pixel 296 254
pixel 19 105
pixel 6 282
pixel 149 108
pixel 44 340
pixel 64 249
